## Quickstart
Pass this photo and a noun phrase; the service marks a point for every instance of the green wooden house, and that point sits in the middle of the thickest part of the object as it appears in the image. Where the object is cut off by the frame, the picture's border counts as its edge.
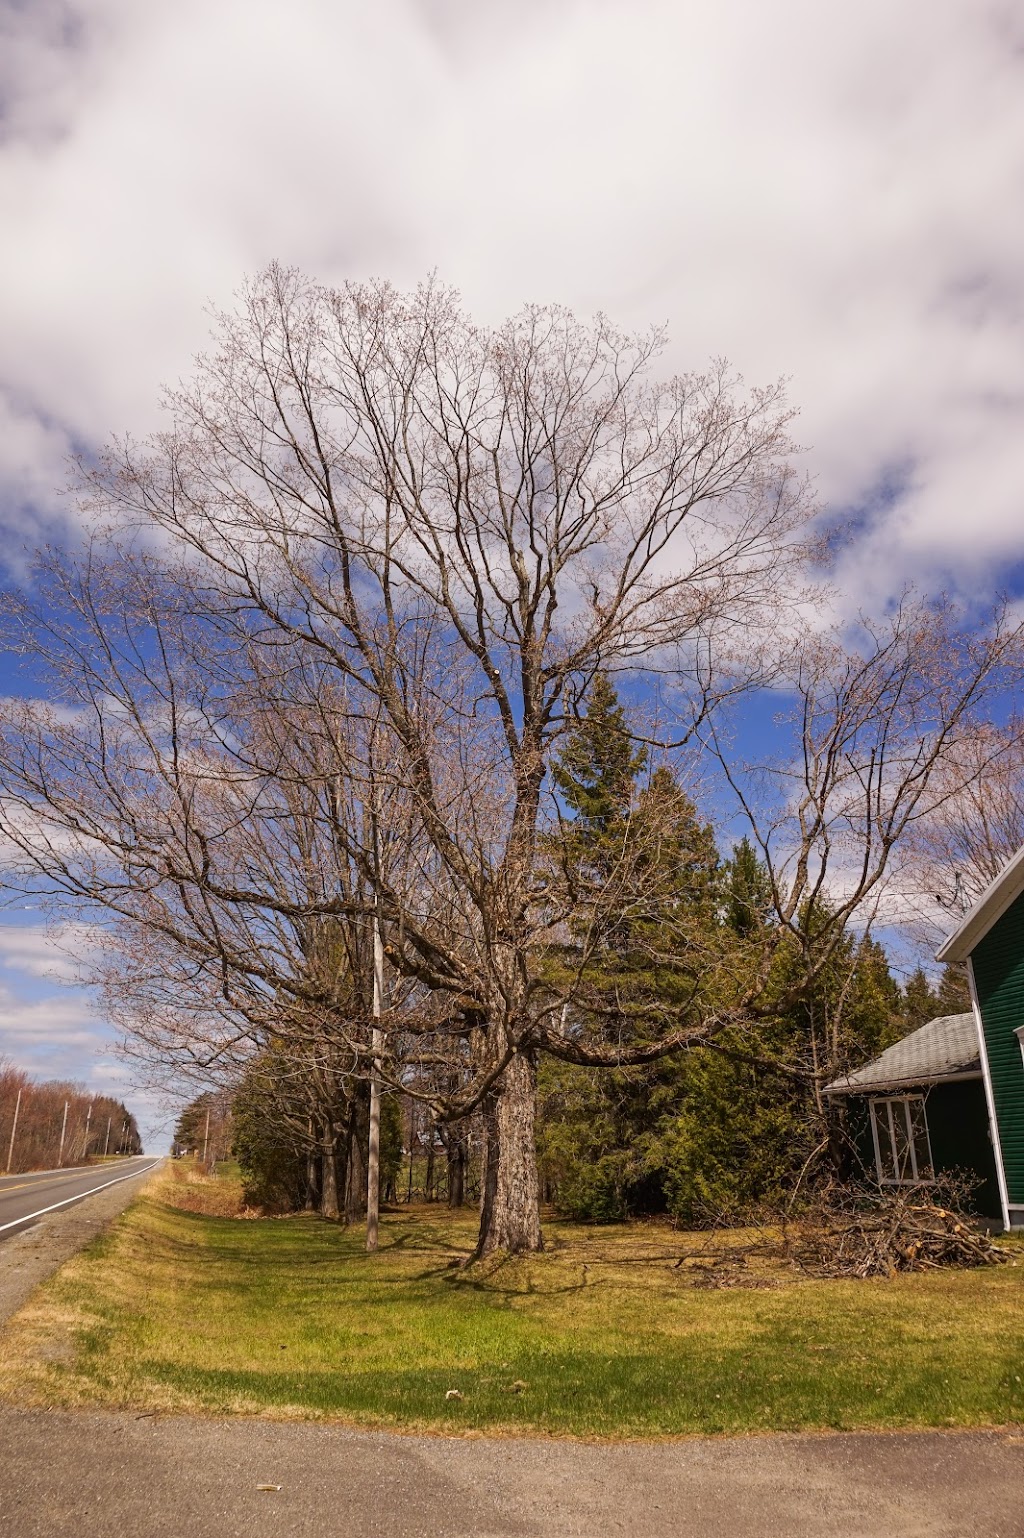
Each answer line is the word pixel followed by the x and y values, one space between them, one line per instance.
pixel 951 1094
pixel 991 943
pixel 919 1110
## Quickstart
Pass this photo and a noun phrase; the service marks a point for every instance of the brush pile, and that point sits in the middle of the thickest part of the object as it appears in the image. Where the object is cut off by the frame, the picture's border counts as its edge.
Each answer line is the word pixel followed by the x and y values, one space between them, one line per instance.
pixel 875 1234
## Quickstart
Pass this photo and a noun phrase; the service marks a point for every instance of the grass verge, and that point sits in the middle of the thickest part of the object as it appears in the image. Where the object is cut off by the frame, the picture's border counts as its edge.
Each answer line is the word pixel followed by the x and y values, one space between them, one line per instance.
pixel 181 1307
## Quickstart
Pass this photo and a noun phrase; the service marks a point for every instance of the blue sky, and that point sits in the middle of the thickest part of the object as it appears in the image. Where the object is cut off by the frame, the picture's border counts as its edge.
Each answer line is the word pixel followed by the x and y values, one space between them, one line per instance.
pixel 830 194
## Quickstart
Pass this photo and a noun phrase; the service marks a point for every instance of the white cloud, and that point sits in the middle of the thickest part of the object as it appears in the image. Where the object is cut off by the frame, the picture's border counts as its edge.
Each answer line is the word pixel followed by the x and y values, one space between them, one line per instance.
pixel 58 1036
pixel 35 950
pixel 830 195
pixel 37 1030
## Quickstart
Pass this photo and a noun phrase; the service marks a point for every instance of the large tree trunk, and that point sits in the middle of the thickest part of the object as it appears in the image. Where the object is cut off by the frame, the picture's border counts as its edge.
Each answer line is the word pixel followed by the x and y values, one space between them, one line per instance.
pixel 358 1137
pixel 456 1152
pixel 329 1205
pixel 510 1193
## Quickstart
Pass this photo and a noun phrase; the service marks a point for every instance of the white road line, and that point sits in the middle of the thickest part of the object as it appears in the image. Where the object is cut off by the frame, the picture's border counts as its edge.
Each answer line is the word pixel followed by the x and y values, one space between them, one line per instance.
pixel 79 1197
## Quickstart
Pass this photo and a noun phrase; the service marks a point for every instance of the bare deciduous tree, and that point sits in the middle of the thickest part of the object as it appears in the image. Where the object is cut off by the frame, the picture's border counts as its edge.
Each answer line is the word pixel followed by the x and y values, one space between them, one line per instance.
pixel 440 512
pixel 976 828
pixel 393 549
pixel 887 734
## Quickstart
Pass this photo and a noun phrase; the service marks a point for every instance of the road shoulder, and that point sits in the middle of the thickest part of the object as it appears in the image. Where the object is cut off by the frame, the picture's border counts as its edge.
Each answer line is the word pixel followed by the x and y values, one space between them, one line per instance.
pixel 28 1258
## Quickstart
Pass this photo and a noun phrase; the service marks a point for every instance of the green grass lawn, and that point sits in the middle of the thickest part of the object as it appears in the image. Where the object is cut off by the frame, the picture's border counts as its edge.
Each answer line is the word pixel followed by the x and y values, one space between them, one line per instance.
pixel 601 1336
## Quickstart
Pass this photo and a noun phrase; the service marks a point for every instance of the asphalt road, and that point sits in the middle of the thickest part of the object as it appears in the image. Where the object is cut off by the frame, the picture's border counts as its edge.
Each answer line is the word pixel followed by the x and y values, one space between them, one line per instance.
pixel 24 1198
pixel 63 1473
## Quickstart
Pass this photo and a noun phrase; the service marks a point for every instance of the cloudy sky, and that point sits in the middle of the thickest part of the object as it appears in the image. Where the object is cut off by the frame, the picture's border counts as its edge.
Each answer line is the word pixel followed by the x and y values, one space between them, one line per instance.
pixel 831 193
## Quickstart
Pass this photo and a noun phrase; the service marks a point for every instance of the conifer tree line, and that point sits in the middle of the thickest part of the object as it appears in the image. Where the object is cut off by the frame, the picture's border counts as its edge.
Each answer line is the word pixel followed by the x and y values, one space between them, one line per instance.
pixel 730 1128
pixel 326 744
pixel 56 1124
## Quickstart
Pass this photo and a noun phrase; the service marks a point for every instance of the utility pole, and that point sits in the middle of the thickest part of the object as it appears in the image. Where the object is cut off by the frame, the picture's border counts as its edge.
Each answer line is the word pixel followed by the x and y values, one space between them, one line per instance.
pixel 106 1143
pixel 63 1129
pixel 206 1135
pixel 85 1141
pixel 373 1150
pixel 14 1128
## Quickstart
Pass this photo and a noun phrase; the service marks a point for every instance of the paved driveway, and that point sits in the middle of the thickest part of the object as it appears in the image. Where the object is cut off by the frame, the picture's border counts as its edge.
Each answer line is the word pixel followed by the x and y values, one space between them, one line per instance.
pixel 66 1473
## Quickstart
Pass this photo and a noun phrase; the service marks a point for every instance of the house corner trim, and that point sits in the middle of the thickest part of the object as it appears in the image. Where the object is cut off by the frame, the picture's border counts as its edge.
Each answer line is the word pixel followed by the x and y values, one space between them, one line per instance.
pixel 993 1124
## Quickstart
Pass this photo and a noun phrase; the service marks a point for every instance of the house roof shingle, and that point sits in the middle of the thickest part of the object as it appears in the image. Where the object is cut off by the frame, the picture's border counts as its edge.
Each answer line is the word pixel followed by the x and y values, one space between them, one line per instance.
pixel 941 1049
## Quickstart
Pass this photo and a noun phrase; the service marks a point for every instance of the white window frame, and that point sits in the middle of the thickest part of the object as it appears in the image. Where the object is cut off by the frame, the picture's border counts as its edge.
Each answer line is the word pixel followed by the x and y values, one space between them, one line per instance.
pixel 883 1105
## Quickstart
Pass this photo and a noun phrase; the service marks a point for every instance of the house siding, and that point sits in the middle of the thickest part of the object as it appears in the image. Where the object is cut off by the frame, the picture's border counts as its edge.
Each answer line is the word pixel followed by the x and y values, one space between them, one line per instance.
pixel 998 964
pixel 958 1135
pixel 960 1140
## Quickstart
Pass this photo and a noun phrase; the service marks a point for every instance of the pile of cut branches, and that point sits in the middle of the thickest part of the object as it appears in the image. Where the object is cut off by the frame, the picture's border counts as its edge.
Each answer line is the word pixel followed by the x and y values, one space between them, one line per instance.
pixel 861 1234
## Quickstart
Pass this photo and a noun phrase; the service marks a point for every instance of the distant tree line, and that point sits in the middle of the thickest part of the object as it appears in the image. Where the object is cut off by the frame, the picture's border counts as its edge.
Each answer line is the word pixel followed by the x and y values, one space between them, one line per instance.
pixel 57 1123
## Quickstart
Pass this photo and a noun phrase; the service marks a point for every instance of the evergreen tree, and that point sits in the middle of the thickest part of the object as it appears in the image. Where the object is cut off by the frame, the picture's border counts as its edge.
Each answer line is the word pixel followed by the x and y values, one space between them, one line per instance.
pixel 730 1125
pixel 920 1003
pixel 651 867
pixel 748 893
pixel 598 768
pixel 721 1129
pixel 954 995
pixel 274 1163
pixel 644 874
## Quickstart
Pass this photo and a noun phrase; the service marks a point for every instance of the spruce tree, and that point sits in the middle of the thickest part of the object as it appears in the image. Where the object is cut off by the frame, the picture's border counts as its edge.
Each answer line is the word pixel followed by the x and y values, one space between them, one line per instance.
pixel 748 892
pixel 646 871
pixel 597 772
pixel 954 995
pixel 919 1002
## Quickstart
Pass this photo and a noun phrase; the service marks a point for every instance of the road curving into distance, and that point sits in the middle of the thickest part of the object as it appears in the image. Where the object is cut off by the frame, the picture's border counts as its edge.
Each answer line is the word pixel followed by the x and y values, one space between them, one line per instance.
pixel 24 1198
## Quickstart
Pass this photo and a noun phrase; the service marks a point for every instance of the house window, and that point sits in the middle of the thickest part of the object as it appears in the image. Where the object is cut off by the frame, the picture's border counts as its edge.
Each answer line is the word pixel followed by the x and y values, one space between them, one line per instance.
pixel 900 1132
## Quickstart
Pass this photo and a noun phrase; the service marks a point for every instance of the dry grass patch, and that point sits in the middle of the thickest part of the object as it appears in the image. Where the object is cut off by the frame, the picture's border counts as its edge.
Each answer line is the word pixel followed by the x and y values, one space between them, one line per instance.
pixel 188 1187
pixel 604 1335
